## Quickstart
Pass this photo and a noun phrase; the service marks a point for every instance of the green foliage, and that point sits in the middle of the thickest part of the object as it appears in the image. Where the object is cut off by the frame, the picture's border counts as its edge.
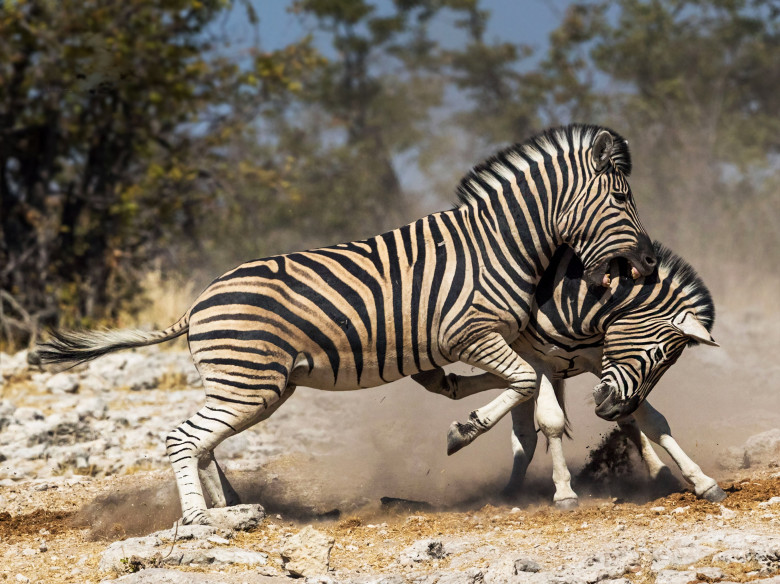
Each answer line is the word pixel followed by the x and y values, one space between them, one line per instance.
pixel 112 117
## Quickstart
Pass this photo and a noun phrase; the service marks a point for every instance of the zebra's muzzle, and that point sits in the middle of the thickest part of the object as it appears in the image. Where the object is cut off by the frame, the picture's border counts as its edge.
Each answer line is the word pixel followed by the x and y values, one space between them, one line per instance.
pixel 609 405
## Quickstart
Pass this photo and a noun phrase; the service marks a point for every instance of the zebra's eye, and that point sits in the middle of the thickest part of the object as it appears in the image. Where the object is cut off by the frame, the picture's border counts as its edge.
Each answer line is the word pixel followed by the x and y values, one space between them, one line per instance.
pixel 619 197
pixel 658 354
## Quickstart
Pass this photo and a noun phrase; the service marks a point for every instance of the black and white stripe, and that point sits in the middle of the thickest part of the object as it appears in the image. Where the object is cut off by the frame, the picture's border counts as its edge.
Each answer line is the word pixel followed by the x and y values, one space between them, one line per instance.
pixel 629 335
pixel 452 286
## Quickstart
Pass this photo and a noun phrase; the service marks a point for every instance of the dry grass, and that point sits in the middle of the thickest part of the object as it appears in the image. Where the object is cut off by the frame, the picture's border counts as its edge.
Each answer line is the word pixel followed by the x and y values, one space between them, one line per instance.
pixel 168 297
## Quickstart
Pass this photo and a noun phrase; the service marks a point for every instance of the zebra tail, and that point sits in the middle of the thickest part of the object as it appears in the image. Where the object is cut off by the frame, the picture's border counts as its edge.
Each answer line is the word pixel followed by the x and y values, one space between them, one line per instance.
pixel 559 385
pixel 70 348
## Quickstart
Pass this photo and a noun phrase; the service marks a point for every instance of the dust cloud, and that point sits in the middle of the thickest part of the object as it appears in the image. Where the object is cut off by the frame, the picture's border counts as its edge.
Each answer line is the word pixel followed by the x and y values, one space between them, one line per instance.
pixel 390 441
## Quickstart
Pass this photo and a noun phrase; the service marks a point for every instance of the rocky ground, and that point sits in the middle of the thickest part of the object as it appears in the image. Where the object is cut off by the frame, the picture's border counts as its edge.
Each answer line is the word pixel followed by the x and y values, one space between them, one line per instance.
pixel 357 488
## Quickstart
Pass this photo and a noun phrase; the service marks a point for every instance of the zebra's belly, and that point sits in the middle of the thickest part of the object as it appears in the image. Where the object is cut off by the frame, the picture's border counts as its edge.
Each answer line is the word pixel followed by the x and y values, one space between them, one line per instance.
pixel 316 371
pixel 559 360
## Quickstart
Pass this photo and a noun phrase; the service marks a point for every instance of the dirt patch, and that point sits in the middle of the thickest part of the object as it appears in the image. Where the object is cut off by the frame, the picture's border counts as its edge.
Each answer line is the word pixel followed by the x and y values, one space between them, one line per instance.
pixel 12 527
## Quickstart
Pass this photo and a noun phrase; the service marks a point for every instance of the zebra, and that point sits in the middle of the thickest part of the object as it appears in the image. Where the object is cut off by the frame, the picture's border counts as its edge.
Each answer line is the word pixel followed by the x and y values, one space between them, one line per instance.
pixel 629 334
pixel 452 286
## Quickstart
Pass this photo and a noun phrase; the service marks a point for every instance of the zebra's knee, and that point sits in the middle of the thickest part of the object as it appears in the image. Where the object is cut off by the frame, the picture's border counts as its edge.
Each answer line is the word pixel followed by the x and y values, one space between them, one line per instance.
pixel 524 389
pixel 179 446
pixel 433 380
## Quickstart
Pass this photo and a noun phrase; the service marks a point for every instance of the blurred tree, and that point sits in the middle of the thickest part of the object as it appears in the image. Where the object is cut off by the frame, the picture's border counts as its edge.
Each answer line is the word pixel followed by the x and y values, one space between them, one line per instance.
pixel 128 132
pixel 102 105
pixel 693 83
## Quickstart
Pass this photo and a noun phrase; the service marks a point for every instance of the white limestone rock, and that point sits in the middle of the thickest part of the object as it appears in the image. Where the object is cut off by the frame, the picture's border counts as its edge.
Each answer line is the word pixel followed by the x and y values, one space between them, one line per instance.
pixel 423 550
pixel 307 553
pixel 13 365
pixel 63 383
pixel 760 449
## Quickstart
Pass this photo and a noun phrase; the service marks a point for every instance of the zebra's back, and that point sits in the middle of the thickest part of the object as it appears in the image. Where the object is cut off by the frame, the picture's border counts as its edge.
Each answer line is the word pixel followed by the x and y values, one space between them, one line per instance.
pixel 352 315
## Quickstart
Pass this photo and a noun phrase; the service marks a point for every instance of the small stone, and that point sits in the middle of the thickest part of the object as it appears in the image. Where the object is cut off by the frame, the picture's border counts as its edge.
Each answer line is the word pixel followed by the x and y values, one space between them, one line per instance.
pixel 43 547
pixel 727 513
pixel 26 414
pixel 657 509
pixel 29 552
pixel 238 517
pixel 93 407
pixel 22 578
pixel 63 383
pixel 525 565
pixel 769 503
pixel 307 553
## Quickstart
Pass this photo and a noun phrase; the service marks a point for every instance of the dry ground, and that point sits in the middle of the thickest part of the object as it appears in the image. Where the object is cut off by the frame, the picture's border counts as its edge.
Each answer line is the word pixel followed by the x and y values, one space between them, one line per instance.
pixel 77 520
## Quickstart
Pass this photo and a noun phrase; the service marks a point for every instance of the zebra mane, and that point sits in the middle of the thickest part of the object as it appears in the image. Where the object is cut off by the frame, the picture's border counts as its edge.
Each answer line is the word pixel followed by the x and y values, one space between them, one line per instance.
pixel 687 279
pixel 520 156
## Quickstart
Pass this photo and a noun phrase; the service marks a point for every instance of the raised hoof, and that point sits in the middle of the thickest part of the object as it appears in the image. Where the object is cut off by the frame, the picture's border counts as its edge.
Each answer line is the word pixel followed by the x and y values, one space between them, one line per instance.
pixel 460 435
pixel 567 504
pixel 714 494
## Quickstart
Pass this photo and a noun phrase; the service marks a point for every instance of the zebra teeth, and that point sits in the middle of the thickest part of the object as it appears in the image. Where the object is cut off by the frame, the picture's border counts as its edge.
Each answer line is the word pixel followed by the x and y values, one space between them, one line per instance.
pixel 634 273
pixel 606 280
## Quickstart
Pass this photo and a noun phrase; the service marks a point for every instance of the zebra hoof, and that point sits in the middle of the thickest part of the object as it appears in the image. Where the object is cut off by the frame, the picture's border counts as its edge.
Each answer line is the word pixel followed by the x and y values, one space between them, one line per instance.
pixel 460 435
pixel 714 494
pixel 196 517
pixel 567 504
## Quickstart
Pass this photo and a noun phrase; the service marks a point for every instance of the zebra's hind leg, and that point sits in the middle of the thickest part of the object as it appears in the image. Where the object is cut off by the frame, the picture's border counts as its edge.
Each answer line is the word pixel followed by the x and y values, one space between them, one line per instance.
pixel 227 412
pixel 213 479
pixel 217 485
pixel 524 440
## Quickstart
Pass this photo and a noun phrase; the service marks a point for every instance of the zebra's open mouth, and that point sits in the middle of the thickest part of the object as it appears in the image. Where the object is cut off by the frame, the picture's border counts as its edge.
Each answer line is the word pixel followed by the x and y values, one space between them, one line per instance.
pixel 611 270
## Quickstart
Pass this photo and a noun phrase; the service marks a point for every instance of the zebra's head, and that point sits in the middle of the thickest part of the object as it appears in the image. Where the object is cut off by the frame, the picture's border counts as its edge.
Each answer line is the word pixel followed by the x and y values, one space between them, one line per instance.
pixel 664 314
pixel 598 219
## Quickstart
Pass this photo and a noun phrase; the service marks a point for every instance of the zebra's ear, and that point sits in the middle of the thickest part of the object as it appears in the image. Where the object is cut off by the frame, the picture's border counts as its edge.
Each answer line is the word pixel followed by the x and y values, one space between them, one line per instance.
pixel 687 323
pixel 602 149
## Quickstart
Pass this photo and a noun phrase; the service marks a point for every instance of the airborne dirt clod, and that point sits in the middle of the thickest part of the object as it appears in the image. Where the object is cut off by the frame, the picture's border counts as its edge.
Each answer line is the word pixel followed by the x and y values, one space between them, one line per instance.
pixel 83 467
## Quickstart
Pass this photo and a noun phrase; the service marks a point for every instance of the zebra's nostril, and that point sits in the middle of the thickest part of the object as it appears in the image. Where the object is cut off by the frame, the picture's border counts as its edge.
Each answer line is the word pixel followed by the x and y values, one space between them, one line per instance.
pixel 601 392
pixel 650 261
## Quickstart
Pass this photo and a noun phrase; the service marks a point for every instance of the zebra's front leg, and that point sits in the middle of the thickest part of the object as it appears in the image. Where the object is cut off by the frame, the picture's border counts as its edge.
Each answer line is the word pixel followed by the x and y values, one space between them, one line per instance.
pixel 656 468
pixel 655 426
pixel 494 355
pixel 456 386
pixel 552 423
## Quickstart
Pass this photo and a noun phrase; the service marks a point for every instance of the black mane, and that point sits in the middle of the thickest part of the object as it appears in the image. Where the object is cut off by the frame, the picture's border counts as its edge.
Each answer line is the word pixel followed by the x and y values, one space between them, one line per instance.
pixel 686 276
pixel 620 157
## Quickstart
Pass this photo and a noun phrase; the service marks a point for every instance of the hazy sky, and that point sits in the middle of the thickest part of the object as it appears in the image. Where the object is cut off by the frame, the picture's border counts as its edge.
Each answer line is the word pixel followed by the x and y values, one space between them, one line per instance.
pixel 522 21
